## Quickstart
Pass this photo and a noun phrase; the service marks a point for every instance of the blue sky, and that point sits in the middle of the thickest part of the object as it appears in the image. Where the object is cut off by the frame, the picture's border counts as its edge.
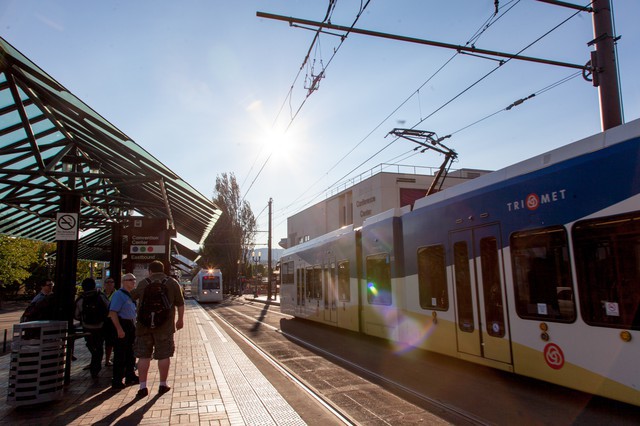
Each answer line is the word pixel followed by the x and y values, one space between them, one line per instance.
pixel 204 85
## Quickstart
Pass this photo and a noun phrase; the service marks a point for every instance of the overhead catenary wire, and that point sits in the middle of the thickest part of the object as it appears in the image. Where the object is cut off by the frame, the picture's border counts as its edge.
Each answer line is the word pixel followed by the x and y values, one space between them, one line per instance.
pixel 487 24
pixel 454 98
pixel 436 110
pixel 330 10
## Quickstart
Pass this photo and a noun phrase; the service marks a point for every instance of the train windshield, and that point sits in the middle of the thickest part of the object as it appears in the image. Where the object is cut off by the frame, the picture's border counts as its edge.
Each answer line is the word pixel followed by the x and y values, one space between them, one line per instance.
pixel 210 282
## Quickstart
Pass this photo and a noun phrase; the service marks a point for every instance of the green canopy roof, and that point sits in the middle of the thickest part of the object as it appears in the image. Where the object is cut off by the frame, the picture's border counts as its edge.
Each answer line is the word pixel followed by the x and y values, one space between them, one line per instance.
pixel 52 143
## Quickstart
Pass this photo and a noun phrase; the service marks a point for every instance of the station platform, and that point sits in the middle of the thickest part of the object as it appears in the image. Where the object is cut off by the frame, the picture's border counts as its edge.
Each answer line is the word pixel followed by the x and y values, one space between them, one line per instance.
pixel 212 383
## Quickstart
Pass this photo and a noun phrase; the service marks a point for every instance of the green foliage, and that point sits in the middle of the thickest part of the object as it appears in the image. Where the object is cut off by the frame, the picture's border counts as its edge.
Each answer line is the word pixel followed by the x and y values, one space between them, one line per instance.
pixel 229 241
pixel 21 263
pixel 83 270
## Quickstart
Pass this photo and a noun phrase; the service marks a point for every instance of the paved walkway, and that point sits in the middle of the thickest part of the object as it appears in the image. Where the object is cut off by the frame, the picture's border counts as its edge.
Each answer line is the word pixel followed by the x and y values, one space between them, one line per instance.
pixel 212 380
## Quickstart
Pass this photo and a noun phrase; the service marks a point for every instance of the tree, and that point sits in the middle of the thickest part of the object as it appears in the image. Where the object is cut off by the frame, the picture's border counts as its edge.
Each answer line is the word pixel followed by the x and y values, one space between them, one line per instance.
pixel 227 246
pixel 19 260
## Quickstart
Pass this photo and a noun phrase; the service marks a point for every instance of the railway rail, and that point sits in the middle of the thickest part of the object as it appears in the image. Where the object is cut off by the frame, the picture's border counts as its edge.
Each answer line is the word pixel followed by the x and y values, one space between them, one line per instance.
pixel 365 380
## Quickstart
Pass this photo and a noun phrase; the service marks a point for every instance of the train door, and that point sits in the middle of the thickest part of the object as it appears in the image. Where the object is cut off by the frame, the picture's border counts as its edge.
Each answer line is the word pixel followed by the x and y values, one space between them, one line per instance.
pixel 329 292
pixel 479 293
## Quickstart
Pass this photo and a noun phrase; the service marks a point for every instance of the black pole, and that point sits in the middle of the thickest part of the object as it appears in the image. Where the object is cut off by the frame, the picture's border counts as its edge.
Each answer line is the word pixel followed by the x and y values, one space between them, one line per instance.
pixel 115 264
pixel 606 69
pixel 269 274
pixel 66 271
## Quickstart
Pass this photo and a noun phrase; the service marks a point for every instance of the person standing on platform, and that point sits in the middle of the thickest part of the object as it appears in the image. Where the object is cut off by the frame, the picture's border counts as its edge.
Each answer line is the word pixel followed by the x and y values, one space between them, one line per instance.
pixel 122 312
pixel 109 330
pixel 91 310
pixel 35 312
pixel 154 332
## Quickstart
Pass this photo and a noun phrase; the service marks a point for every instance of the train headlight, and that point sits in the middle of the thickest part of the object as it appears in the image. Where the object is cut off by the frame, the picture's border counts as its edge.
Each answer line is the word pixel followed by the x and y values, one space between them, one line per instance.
pixel 625 336
pixel 544 336
pixel 544 326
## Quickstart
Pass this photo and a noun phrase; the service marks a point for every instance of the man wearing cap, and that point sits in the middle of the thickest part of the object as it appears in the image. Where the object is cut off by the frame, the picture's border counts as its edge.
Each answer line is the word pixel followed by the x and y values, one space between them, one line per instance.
pixel 122 312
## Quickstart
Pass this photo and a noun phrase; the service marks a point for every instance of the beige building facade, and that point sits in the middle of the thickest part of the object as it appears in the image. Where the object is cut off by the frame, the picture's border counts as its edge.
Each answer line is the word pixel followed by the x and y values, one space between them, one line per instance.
pixel 367 196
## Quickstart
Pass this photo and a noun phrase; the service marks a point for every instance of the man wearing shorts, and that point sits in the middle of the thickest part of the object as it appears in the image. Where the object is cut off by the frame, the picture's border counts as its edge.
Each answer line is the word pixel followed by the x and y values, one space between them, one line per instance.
pixel 157 343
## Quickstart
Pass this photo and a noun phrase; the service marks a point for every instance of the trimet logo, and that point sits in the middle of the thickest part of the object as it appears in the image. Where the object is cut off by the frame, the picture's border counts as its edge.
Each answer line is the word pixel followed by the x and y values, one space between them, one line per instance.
pixel 533 200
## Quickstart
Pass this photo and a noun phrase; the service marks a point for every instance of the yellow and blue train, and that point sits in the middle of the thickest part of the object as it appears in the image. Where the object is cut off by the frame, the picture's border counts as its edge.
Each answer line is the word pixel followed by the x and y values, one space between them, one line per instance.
pixel 532 269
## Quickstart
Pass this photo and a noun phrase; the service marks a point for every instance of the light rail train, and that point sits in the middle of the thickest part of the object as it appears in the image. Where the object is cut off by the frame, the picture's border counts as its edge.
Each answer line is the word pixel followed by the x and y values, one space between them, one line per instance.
pixel 532 269
pixel 206 286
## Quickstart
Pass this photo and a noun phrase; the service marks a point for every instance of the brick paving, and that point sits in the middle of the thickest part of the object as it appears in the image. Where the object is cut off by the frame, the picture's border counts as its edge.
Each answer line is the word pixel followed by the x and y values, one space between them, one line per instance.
pixel 212 383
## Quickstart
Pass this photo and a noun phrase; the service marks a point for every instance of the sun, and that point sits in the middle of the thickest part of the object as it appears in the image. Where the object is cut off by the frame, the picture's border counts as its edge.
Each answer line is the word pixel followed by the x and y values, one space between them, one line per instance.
pixel 278 140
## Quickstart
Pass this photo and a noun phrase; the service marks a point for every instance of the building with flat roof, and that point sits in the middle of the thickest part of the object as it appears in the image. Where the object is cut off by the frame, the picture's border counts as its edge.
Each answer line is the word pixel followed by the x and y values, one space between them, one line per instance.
pixel 380 189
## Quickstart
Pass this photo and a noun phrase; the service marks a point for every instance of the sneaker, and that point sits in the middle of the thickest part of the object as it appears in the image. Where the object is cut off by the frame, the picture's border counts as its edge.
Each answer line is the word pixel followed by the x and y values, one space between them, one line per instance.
pixel 163 389
pixel 132 381
pixel 117 386
pixel 142 393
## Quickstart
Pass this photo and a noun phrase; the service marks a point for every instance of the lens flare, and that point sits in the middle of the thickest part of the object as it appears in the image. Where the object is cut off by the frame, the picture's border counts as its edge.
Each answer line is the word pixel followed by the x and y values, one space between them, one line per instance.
pixel 372 289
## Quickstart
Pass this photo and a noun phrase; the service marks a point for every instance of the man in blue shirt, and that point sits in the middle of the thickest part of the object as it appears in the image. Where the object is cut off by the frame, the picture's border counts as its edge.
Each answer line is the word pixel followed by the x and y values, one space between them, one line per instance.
pixel 122 312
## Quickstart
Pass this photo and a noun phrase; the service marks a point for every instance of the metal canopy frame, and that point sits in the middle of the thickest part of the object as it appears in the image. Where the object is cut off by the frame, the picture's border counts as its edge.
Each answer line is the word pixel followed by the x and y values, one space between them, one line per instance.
pixel 51 144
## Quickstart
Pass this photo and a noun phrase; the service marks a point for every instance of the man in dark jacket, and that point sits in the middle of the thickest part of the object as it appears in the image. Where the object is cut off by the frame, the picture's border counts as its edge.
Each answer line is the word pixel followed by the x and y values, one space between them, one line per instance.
pixel 92 308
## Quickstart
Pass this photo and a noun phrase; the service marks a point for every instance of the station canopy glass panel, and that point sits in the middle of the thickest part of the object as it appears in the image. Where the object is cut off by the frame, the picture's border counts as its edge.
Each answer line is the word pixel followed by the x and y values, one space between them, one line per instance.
pixel 52 144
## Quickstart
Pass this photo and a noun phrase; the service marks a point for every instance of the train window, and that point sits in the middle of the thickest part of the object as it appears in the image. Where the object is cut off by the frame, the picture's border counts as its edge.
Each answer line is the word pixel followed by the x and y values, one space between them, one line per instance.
pixel 286 273
pixel 211 282
pixel 432 278
pixel 607 254
pixel 542 275
pixel 492 287
pixel 344 287
pixel 379 279
pixel 463 286
pixel 300 286
pixel 314 282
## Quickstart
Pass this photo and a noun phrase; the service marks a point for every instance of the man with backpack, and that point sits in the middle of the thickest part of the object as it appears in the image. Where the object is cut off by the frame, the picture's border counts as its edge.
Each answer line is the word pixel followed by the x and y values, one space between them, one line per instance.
pixel 92 308
pixel 159 296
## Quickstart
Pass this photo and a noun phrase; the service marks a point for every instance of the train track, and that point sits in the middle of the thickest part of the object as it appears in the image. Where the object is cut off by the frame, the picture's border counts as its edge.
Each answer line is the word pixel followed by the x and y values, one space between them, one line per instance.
pixel 373 386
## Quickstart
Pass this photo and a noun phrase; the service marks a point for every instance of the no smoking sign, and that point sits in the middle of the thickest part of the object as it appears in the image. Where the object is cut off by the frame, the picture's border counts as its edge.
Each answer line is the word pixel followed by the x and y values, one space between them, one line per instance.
pixel 66 226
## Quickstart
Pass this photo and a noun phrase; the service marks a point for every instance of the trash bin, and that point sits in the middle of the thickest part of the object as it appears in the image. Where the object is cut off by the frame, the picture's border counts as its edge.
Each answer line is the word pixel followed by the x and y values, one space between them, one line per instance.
pixel 36 371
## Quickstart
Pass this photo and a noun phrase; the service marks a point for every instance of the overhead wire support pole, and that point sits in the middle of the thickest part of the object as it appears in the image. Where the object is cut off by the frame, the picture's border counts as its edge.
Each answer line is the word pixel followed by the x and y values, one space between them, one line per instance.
pixel 456 47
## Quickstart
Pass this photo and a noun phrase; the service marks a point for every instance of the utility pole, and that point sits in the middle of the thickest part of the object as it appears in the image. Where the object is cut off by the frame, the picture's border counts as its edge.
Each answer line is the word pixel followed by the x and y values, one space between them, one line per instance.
pixel 269 272
pixel 605 69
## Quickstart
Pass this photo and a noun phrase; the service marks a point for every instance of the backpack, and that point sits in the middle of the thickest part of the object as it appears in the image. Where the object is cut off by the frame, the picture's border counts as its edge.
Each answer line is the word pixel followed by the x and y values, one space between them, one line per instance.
pixel 31 313
pixel 94 310
pixel 155 308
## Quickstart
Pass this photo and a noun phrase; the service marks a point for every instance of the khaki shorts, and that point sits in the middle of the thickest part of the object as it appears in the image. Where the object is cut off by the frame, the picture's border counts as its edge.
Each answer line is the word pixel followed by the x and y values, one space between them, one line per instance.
pixel 160 345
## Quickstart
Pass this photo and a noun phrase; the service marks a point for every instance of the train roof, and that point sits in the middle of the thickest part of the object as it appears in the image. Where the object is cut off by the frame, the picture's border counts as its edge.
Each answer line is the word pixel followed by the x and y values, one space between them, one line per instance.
pixel 321 239
pixel 394 212
pixel 584 146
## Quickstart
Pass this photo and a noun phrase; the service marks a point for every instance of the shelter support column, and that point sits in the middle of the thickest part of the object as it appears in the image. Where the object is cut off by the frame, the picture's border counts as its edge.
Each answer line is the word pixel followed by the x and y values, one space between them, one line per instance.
pixel 115 265
pixel 65 275
pixel 66 264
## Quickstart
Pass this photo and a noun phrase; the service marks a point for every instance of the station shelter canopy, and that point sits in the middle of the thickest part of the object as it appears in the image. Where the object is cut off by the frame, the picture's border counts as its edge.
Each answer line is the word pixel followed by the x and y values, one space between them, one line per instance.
pixel 51 144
